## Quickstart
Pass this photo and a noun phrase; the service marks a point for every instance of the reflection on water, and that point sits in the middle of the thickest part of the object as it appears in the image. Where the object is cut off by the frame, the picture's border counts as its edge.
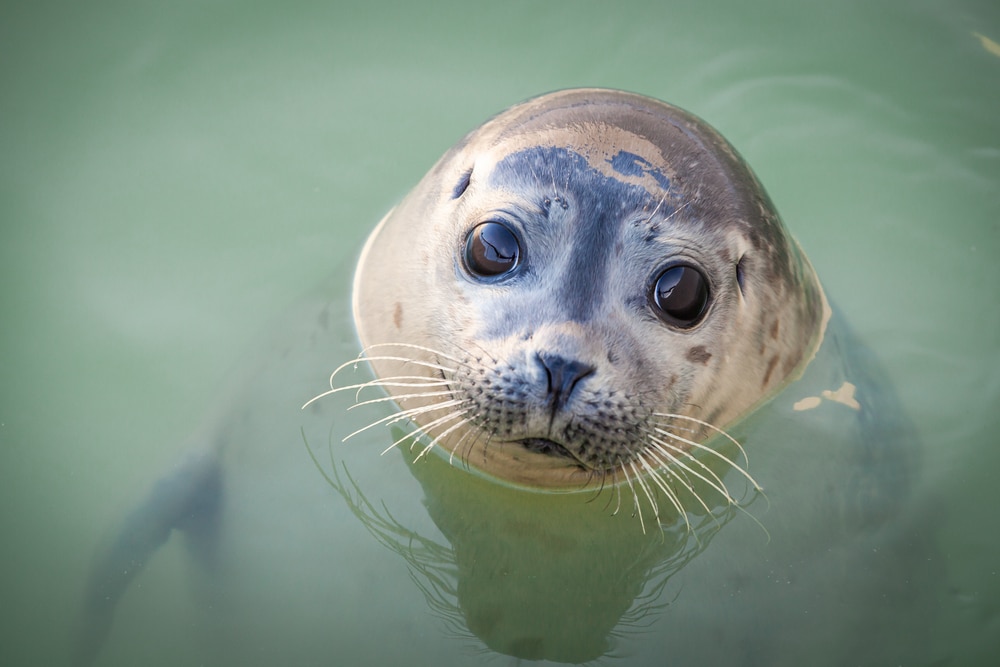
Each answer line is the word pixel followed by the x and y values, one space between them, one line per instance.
pixel 549 578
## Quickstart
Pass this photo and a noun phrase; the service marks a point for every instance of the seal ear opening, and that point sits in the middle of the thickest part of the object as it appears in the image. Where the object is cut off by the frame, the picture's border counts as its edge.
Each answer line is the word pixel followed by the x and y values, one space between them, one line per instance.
pixel 463 184
pixel 739 275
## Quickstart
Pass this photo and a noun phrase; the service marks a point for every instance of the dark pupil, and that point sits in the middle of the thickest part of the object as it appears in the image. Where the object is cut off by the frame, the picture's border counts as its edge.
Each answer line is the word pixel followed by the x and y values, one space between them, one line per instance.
pixel 681 294
pixel 491 249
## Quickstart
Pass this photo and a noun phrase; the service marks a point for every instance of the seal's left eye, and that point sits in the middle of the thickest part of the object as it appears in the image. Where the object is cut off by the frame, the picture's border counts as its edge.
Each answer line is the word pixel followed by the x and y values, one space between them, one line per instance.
pixel 680 296
pixel 491 250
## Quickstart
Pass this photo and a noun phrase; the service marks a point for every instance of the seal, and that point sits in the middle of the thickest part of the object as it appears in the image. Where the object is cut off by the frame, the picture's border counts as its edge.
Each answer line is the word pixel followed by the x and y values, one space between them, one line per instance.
pixel 582 291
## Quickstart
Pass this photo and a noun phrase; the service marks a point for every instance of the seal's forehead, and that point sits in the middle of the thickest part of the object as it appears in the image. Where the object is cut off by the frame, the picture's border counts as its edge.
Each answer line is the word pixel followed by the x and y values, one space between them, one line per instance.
pixel 638 141
pixel 608 149
pixel 633 138
pixel 614 118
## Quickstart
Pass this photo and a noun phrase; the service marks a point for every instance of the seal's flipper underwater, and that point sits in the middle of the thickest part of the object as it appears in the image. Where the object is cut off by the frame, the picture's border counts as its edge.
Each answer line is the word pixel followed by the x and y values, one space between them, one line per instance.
pixel 188 499
pixel 230 501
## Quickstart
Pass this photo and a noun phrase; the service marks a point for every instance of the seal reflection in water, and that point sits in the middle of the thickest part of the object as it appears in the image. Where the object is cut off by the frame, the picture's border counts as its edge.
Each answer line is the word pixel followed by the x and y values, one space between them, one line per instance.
pixel 590 291
pixel 582 291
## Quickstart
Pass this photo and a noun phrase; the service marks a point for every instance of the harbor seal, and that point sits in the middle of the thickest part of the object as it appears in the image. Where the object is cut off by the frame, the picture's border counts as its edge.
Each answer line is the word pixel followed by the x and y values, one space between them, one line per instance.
pixel 584 289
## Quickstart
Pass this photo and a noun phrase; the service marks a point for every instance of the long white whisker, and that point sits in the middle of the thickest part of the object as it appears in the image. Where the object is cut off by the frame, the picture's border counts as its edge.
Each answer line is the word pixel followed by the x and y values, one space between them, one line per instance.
pixel 424 429
pixel 618 492
pixel 635 498
pixel 724 490
pixel 317 397
pixel 405 360
pixel 733 503
pixel 396 381
pixel 679 209
pixel 709 426
pixel 451 455
pixel 400 397
pixel 668 492
pixel 617 486
pixel 667 468
pixel 406 381
pixel 715 482
pixel 713 452
pixel 657 207
pixel 460 441
pixel 407 414
pixel 637 477
pixel 641 479
pixel 437 439
pixel 414 346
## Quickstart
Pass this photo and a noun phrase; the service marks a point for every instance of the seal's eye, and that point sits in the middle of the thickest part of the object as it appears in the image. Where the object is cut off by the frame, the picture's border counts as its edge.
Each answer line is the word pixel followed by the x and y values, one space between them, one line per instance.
pixel 680 296
pixel 491 250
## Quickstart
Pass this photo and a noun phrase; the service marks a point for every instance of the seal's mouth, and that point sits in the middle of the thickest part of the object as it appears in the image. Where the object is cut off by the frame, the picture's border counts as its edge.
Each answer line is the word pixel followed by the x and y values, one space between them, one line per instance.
pixel 546 446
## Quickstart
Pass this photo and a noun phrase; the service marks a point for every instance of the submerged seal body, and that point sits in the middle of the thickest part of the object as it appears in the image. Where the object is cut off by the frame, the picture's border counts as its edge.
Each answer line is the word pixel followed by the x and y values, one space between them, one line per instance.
pixel 582 290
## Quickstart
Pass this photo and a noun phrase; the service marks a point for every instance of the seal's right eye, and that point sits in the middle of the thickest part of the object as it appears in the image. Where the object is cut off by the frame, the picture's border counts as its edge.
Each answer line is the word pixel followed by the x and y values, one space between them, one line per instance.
pixel 491 250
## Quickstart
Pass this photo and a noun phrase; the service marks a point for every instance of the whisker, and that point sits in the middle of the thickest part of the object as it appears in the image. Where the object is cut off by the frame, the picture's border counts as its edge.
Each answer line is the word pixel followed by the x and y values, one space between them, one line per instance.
pixel 600 488
pixel 635 498
pixel 408 414
pixel 451 455
pixel 721 488
pixel 616 485
pixel 437 439
pixel 406 381
pixel 657 207
pixel 396 381
pixel 362 356
pixel 709 426
pixel 317 397
pixel 460 445
pixel 424 429
pixel 639 479
pixel 405 360
pixel 668 492
pixel 715 482
pixel 618 492
pixel 414 346
pixel 710 450
pixel 667 468
pixel 678 210
pixel 400 397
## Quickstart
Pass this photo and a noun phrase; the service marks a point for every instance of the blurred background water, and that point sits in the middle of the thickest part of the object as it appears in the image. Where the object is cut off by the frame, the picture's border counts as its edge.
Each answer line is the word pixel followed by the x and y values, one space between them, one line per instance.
pixel 174 175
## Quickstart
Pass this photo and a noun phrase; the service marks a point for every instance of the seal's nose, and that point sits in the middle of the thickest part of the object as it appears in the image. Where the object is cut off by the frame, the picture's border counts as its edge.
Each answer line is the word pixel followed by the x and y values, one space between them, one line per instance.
pixel 563 375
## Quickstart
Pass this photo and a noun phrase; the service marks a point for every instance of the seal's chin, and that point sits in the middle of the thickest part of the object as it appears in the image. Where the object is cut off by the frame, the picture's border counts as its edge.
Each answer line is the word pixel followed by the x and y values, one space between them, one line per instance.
pixel 546 446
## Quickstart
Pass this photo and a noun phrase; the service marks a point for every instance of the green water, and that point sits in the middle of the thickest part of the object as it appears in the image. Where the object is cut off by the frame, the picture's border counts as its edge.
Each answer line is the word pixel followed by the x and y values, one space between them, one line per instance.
pixel 175 176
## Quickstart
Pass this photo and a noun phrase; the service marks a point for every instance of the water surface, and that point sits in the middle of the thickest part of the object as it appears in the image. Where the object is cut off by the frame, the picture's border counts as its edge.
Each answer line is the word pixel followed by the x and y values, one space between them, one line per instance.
pixel 180 184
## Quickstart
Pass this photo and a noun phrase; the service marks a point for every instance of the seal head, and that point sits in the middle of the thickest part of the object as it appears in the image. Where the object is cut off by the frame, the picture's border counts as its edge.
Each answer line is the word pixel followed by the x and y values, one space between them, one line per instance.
pixel 585 288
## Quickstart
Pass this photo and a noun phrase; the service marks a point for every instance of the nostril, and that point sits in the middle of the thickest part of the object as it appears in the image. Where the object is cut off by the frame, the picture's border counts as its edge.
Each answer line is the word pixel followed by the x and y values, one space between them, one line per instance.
pixel 563 375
